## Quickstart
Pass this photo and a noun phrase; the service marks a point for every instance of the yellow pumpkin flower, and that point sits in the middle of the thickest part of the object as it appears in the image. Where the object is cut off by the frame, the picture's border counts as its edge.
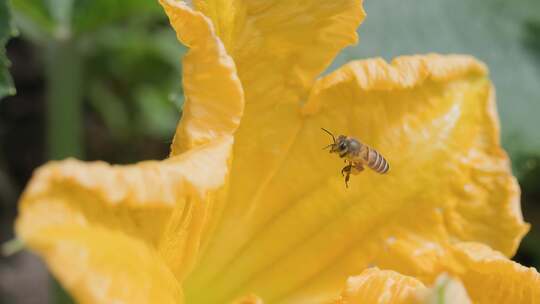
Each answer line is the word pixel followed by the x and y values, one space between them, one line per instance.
pixel 248 208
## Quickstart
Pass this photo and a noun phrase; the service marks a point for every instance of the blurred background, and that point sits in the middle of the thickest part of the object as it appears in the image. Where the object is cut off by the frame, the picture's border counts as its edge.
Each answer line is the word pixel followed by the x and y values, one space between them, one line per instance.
pixel 100 80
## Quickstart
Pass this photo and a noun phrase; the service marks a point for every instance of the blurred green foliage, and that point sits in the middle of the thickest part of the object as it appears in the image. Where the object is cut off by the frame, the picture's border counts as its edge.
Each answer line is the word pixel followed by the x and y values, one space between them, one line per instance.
pixel 533 36
pixel 60 18
pixel 149 100
pixel 495 31
pixel 118 57
pixel 529 166
pixel 6 30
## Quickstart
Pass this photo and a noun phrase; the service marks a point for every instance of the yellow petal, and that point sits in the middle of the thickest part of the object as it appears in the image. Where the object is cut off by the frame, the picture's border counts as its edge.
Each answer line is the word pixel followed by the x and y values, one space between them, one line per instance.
pixel 132 233
pixel 214 95
pixel 250 299
pixel 386 286
pixel 280 47
pixel 291 231
pixel 374 286
pixel 431 116
pixel 122 233
pixel 492 278
pixel 100 265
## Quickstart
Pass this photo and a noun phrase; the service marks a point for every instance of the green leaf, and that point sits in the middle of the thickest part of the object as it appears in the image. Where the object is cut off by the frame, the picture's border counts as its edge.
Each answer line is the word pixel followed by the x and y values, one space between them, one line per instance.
pixel 61 12
pixel 89 15
pixel 157 113
pixel 6 30
pixel 533 36
pixel 110 108
pixel 33 19
pixel 62 19
pixel 497 32
pixel 134 76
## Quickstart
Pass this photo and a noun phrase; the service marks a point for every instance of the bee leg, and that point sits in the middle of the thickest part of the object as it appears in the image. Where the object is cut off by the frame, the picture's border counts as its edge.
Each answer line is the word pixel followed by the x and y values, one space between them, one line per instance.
pixel 357 168
pixel 346 170
pixel 347 179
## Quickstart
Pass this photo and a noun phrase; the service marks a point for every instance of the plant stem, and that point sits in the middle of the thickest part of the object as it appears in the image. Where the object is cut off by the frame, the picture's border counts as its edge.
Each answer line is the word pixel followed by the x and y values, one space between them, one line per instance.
pixel 64 70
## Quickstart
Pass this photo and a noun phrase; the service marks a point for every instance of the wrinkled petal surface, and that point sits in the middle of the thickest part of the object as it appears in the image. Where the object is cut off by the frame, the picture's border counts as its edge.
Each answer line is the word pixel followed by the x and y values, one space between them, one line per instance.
pixel 214 96
pixel 127 234
pixel 492 278
pixel 280 47
pixel 131 234
pixel 299 233
pixel 374 286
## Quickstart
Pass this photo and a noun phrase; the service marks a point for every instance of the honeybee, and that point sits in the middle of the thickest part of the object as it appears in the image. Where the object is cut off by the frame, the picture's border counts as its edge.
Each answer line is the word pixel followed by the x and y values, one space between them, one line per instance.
pixel 357 155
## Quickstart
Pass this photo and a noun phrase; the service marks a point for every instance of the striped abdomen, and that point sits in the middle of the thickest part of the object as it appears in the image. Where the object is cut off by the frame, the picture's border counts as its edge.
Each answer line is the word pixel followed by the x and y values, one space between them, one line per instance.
pixel 376 161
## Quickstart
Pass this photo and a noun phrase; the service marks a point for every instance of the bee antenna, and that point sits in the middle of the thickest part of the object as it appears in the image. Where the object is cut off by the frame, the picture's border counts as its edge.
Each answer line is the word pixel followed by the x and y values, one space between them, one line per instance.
pixel 330 145
pixel 330 133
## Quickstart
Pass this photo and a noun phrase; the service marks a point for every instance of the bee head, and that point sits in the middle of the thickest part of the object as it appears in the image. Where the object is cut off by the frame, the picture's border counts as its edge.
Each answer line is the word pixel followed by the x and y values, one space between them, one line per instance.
pixel 340 145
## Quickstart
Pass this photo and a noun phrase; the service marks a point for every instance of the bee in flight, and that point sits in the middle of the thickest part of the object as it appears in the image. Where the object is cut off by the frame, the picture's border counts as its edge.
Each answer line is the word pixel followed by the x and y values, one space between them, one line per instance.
pixel 357 155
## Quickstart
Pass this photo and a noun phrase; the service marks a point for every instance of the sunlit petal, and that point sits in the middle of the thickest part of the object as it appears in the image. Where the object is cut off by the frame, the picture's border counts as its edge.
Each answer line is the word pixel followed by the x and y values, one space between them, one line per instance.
pixel 101 265
pixel 301 233
pixel 250 299
pixel 492 278
pixel 389 287
pixel 214 95
pixel 374 286
pixel 132 233
pixel 279 48
pixel 122 233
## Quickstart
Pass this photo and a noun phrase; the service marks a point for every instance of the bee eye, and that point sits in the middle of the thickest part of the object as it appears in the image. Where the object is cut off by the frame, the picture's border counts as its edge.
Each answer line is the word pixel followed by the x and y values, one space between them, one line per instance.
pixel 342 146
